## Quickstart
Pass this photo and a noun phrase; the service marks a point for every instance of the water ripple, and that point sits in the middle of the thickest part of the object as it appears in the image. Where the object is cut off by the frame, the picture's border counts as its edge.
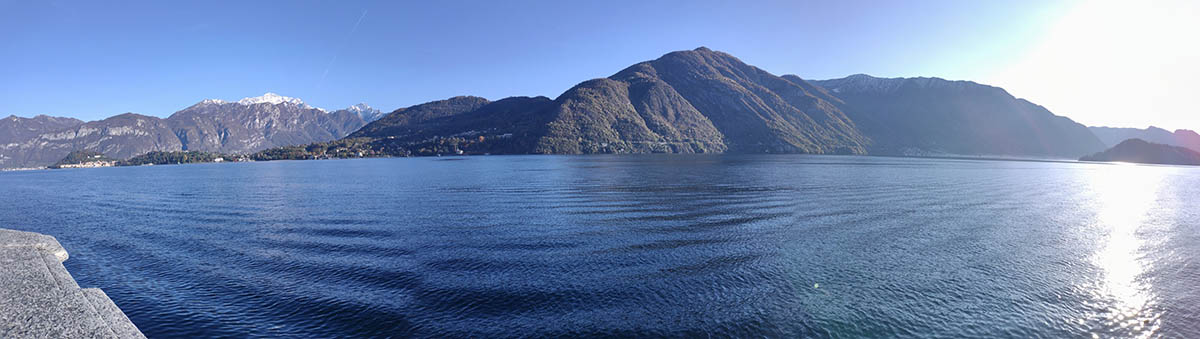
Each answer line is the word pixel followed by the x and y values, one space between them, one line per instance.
pixel 638 246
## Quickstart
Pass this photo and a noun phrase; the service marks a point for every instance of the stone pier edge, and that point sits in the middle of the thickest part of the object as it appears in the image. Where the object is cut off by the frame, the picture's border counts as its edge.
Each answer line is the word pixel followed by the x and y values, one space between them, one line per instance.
pixel 97 304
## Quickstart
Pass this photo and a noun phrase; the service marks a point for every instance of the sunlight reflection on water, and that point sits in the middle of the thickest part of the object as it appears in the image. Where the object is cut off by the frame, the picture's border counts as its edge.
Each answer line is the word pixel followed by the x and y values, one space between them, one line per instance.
pixel 631 246
pixel 1125 195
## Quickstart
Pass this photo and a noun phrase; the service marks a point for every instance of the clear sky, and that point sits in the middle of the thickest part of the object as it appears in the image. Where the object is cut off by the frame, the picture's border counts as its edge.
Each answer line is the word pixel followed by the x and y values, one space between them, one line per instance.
pixel 1128 63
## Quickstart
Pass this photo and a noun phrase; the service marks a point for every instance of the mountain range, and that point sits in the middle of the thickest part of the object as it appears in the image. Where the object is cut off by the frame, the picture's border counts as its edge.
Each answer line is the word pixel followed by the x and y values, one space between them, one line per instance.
pixel 695 101
pixel 704 101
pixel 248 125
pixel 1111 136
pixel 931 116
pixel 15 129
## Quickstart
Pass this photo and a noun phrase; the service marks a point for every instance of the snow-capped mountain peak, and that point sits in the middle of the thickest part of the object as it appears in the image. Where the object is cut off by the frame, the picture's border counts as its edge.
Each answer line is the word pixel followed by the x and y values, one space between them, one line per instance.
pixel 270 98
pixel 367 113
pixel 212 101
pixel 360 107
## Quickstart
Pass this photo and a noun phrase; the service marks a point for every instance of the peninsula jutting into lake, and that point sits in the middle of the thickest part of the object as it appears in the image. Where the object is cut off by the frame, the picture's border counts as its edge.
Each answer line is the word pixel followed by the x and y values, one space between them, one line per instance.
pixel 602 169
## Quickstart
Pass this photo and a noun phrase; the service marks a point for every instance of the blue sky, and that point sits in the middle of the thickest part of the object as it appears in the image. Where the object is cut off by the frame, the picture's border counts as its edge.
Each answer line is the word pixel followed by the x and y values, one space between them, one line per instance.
pixel 95 59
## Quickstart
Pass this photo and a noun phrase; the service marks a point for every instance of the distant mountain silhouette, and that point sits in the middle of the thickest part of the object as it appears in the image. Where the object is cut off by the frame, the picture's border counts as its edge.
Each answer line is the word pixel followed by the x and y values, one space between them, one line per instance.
pixel 922 116
pixel 1141 151
pixel 1111 136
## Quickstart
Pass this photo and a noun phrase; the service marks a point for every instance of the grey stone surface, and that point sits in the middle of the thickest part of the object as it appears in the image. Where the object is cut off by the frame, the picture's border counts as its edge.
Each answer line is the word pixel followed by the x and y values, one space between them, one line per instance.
pixel 117 321
pixel 40 299
pixel 42 242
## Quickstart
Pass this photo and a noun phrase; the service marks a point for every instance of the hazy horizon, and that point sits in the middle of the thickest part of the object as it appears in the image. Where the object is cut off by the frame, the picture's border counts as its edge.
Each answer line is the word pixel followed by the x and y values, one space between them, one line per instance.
pixel 89 61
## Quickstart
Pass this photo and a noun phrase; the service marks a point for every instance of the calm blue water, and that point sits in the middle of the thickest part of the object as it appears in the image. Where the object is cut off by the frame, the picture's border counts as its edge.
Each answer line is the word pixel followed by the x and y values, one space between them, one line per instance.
pixel 776 246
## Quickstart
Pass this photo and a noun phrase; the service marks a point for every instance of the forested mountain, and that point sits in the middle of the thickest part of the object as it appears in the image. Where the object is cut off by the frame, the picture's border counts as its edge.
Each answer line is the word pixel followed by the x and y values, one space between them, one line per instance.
pixel 470 124
pixel 395 123
pixel 708 101
pixel 698 101
pixel 932 116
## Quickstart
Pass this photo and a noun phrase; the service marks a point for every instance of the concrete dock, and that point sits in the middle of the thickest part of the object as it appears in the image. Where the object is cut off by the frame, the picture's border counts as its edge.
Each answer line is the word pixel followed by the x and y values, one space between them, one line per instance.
pixel 40 299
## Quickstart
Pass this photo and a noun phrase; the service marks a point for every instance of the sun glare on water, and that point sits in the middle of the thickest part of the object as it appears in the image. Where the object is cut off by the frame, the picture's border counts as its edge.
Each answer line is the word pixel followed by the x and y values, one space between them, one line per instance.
pixel 1125 195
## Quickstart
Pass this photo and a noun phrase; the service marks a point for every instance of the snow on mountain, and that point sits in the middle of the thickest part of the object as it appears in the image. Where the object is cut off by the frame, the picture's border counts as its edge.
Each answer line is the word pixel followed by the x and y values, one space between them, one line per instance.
pixel 364 111
pixel 360 107
pixel 367 113
pixel 270 98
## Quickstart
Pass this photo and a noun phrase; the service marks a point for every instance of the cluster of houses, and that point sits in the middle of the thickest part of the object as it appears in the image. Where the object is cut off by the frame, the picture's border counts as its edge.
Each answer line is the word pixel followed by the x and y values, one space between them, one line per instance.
pixel 93 162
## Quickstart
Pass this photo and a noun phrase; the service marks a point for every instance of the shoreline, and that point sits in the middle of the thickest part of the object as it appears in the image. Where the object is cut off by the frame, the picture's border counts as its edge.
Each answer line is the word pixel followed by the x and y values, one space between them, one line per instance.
pixel 936 157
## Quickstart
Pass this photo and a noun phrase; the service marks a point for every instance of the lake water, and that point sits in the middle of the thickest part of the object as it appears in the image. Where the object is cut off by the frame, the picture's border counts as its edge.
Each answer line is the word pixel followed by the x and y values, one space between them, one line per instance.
pixel 777 246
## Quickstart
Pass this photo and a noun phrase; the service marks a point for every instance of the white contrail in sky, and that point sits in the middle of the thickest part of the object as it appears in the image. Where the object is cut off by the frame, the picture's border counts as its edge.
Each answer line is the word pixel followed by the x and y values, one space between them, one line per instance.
pixel 339 51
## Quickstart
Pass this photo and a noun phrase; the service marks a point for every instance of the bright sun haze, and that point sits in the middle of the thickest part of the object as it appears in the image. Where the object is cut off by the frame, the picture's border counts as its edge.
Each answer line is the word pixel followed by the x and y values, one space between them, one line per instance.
pixel 1114 63
pixel 1100 63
